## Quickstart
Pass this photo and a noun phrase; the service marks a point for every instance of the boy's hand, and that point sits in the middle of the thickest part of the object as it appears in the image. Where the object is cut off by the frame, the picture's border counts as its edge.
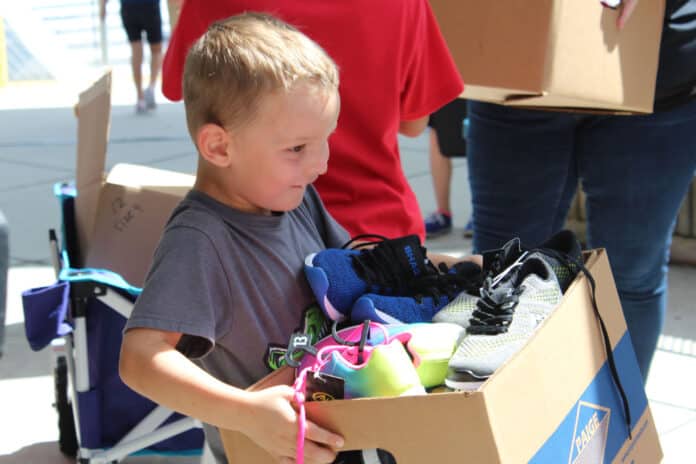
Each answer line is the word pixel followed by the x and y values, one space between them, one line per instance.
pixel 273 425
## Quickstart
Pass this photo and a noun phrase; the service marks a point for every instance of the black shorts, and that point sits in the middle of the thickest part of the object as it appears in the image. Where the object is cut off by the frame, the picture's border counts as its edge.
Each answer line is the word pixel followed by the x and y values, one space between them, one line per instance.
pixel 448 124
pixel 142 16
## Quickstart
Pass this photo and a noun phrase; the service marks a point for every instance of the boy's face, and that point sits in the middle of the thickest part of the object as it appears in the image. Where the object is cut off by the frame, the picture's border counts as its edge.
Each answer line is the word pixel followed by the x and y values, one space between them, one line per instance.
pixel 282 150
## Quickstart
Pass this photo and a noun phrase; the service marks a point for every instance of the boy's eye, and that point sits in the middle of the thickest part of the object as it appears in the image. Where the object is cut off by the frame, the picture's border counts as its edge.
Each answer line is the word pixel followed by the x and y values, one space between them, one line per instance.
pixel 297 148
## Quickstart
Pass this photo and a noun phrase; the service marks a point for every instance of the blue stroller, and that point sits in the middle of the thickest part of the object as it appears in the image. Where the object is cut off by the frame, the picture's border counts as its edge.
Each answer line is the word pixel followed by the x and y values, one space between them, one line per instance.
pixel 82 317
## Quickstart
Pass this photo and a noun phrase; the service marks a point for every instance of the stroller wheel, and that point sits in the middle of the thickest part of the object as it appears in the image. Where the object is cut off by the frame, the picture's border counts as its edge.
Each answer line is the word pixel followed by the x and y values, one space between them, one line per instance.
pixel 67 438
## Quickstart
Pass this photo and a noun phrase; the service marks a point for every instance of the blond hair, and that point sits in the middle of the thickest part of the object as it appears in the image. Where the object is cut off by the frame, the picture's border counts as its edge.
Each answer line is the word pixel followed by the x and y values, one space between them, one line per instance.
pixel 241 59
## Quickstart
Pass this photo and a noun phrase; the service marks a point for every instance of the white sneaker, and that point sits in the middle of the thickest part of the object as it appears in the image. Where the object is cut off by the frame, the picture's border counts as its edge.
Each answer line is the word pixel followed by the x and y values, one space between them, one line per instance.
pixel 149 95
pixel 141 107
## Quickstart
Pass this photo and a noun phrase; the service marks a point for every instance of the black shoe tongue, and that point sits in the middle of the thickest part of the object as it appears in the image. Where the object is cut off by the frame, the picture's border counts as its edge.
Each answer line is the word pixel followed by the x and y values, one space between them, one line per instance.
pixel 532 265
pixel 565 242
pixel 411 255
pixel 496 260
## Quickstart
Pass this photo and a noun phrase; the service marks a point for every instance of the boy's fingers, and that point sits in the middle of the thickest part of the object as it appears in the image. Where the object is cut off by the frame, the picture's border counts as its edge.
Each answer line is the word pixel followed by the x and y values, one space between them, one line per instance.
pixel 317 454
pixel 323 436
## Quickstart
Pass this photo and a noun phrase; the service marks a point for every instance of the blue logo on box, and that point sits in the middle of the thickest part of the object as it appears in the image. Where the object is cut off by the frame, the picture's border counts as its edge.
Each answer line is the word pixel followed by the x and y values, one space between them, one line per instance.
pixel 590 434
pixel 594 429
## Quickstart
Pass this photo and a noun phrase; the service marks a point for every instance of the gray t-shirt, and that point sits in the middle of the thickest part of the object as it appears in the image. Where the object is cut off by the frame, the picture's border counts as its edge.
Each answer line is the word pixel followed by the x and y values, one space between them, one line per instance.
pixel 233 284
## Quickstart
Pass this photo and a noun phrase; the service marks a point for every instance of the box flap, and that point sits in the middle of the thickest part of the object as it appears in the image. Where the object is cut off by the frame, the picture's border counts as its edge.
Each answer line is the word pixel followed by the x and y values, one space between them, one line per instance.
pixel 138 176
pixel 93 120
pixel 557 102
pixel 495 94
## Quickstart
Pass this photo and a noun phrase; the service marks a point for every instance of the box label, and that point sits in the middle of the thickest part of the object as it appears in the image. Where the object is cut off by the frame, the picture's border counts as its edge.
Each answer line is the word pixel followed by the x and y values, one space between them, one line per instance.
pixel 594 430
pixel 590 435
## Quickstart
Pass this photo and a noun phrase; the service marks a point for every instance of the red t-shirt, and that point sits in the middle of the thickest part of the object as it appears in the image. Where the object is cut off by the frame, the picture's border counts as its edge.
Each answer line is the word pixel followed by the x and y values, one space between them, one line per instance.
pixel 394 66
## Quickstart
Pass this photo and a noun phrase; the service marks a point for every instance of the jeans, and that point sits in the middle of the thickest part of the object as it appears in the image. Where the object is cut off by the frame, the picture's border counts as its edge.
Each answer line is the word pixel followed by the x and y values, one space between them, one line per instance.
pixel 524 167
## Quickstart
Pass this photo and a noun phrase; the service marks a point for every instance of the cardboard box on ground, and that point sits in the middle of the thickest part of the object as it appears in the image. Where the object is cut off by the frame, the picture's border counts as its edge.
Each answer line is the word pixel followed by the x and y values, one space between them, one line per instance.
pixel 562 54
pixel 119 217
pixel 554 402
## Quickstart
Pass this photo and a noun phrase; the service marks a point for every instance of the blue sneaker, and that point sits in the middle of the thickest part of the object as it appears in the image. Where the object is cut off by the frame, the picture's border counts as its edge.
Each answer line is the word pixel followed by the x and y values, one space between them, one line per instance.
pixel 427 295
pixel 339 276
pixel 469 229
pixel 437 224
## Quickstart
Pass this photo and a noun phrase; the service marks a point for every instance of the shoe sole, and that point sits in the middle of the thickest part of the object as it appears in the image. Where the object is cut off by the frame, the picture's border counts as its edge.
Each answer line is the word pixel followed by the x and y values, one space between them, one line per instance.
pixel 319 283
pixel 468 381
pixel 437 234
pixel 464 386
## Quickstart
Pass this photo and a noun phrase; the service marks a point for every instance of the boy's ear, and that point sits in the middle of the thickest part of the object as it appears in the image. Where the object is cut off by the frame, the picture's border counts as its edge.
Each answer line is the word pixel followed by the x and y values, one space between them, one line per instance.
pixel 213 142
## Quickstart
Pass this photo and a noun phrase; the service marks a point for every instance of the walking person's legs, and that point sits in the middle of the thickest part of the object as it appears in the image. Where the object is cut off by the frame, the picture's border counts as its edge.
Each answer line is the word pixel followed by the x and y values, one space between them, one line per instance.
pixel 446 141
pixel 153 28
pixel 441 172
pixel 636 171
pixel 155 63
pixel 136 69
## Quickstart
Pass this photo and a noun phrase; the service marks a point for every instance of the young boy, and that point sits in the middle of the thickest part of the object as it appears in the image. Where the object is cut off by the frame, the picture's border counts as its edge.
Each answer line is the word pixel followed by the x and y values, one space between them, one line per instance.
pixel 226 282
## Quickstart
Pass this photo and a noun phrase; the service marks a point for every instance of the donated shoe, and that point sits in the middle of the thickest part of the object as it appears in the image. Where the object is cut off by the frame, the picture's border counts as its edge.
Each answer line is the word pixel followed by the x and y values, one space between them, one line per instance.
pixel 469 229
pixel 511 307
pixel 428 295
pixel 149 95
pixel 384 369
pixel 437 224
pixel 460 310
pixel 366 371
pixel 338 276
pixel 430 346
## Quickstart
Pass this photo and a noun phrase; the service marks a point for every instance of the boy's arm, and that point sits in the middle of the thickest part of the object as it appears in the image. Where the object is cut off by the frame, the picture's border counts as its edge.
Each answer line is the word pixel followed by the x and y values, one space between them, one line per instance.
pixel 151 365
pixel 413 128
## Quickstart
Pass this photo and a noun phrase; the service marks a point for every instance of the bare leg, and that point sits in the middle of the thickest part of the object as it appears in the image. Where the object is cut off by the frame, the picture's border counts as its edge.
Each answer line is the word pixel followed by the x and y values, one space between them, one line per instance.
pixel 155 63
pixel 136 65
pixel 441 170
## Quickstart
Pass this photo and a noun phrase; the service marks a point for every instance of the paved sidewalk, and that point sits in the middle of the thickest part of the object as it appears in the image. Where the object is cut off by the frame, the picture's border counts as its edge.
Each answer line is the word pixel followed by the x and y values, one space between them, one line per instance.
pixel 37 149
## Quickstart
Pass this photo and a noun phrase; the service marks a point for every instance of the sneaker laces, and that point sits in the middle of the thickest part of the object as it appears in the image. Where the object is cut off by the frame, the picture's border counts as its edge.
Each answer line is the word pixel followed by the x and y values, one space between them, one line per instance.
pixel 379 265
pixel 447 281
pixel 496 305
pixel 349 349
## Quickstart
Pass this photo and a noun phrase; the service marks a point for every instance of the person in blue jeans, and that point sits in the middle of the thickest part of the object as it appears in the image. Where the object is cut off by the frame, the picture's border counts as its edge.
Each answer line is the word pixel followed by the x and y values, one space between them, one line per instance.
pixel 524 167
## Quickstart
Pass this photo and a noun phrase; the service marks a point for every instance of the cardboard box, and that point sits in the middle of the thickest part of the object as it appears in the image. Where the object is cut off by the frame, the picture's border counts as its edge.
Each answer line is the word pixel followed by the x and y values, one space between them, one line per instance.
pixel 563 54
pixel 553 402
pixel 119 217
